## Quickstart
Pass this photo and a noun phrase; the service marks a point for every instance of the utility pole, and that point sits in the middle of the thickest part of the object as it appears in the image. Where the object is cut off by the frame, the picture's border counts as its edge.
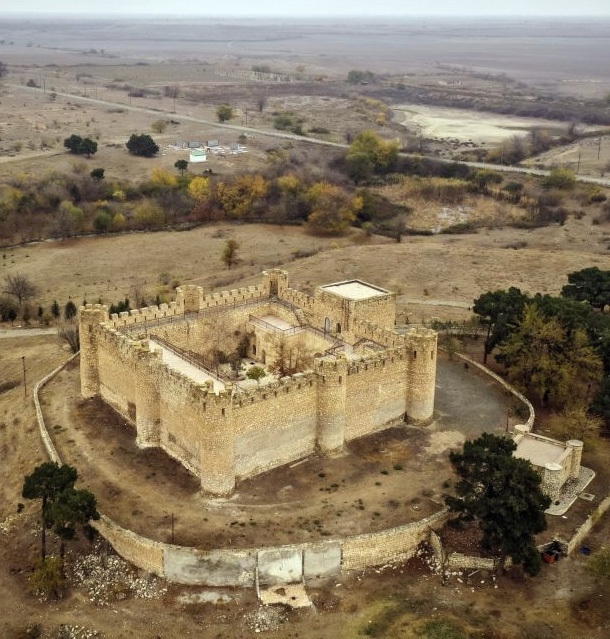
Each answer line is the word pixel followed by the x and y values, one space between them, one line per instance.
pixel 599 147
pixel 25 387
pixel 172 528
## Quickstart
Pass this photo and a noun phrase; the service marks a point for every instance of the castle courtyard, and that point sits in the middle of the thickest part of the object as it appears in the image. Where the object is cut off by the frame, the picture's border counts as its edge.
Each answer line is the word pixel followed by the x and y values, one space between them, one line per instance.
pixel 377 481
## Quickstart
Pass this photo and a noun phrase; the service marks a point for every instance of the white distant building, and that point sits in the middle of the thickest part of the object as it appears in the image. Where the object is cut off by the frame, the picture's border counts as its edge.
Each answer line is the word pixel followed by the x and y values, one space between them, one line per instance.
pixel 197 155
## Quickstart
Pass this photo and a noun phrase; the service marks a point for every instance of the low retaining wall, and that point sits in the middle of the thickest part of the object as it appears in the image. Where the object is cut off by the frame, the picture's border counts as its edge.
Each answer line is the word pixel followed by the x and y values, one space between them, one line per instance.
pixel 271 565
pixel 585 528
pixel 251 566
pixel 44 433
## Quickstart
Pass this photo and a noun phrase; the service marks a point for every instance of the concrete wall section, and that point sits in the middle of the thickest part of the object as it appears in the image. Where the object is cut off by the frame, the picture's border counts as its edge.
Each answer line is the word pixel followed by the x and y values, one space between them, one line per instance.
pixel 280 565
pixel 213 568
pixel 321 561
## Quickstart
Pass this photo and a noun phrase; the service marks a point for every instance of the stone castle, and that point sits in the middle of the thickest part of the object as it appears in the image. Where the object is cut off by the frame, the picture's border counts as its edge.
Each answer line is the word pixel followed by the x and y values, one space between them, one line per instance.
pixel 335 370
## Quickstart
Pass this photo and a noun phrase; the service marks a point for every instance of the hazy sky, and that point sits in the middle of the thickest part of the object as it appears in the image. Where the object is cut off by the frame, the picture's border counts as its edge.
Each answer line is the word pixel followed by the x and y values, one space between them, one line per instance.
pixel 318 7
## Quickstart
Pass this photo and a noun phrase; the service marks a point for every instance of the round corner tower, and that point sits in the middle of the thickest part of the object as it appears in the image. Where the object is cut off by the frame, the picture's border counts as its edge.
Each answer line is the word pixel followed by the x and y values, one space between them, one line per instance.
pixel 421 374
pixel 89 319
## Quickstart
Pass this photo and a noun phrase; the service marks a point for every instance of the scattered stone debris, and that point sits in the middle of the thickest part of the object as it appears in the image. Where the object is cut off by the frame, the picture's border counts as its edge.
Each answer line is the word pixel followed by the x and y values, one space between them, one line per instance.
pixel 8 524
pixel 266 618
pixel 77 632
pixel 107 578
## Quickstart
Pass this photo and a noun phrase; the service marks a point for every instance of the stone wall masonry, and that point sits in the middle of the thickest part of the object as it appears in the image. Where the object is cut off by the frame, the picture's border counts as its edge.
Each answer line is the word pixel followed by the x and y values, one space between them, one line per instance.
pixel 116 366
pixel 233 297
pixel 44 433
pixel 140 551
pixel 373 549
pixel 364 329
pixel 376 394
pixel 458 561
pixel 421 376
pixel 299 299
pixel 585 528
pixel 228 567
pixel 214 436
pixel 380 310
pixel 278 430
pixel 147 314
pixel 437 548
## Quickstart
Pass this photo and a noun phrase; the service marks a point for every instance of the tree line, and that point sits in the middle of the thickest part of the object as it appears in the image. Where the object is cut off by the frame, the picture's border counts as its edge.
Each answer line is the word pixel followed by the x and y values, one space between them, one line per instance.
pixel 555 348
pixel 289 190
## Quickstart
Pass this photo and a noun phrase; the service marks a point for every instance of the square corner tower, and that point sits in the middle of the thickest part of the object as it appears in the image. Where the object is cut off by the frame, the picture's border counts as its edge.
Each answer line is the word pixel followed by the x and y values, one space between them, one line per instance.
pixel 341 303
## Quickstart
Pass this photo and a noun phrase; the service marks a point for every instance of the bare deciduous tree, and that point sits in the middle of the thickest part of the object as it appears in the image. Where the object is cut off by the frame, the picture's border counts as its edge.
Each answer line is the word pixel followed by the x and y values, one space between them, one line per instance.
pixel 68 333
pixel 20 286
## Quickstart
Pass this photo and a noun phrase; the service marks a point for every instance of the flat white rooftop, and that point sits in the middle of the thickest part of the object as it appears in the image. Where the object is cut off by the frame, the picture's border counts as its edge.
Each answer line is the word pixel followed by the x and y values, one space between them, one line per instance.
pixel 539 451
pixel 355 290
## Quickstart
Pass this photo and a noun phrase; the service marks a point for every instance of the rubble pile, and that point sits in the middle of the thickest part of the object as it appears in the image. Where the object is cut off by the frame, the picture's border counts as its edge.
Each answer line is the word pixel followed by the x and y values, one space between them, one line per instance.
pixel 107 578
pixel 77 632
pixel 266 618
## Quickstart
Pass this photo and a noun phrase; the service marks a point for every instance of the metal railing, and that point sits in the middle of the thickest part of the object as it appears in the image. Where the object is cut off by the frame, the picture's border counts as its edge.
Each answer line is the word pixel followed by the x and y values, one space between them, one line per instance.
pixel 292 330
pixel 187 356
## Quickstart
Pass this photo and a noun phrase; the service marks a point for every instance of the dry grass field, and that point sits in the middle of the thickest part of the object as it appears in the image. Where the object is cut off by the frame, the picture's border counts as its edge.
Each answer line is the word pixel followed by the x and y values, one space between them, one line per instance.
pixel 434 276
pixel 440 270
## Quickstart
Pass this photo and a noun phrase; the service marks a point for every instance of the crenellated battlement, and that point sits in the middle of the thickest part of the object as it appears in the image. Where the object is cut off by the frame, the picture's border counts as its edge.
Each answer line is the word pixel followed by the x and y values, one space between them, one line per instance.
pixel 280 388
pixel 367 330
pixel 299 299
pixel 387 357
pixel 330 366
pixel 147 314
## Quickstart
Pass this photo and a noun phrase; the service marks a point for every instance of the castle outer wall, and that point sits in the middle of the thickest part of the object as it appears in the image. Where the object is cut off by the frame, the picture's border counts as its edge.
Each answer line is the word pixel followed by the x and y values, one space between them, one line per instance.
pixel 231 435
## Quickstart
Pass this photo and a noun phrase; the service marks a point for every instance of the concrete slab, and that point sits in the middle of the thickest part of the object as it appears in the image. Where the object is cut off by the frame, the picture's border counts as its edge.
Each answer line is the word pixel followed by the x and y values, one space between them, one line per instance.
pixel 279 566
pixel 539 451
pixel 322 561
pixel 212 568
pixel 293 595
pixel 276 322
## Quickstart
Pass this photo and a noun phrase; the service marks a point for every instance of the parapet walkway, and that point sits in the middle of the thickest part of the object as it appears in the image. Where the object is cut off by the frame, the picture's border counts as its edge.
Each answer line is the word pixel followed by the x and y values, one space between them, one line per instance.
pixel 179 363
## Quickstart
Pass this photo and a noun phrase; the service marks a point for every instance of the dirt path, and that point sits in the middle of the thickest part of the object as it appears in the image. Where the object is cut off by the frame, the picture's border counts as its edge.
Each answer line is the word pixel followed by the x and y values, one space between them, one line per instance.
pixel 26 332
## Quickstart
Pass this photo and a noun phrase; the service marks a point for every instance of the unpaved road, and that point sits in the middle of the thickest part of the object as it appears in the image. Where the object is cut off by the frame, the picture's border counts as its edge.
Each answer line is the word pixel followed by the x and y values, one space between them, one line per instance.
pixel 289 136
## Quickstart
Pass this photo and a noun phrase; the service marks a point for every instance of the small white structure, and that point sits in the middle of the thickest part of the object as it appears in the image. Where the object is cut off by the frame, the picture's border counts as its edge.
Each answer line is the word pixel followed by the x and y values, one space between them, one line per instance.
pixel 558 463
pixel 197 155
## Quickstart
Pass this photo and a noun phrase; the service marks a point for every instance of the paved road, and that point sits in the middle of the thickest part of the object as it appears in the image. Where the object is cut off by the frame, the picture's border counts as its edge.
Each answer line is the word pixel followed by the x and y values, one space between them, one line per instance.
pixel 290 136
